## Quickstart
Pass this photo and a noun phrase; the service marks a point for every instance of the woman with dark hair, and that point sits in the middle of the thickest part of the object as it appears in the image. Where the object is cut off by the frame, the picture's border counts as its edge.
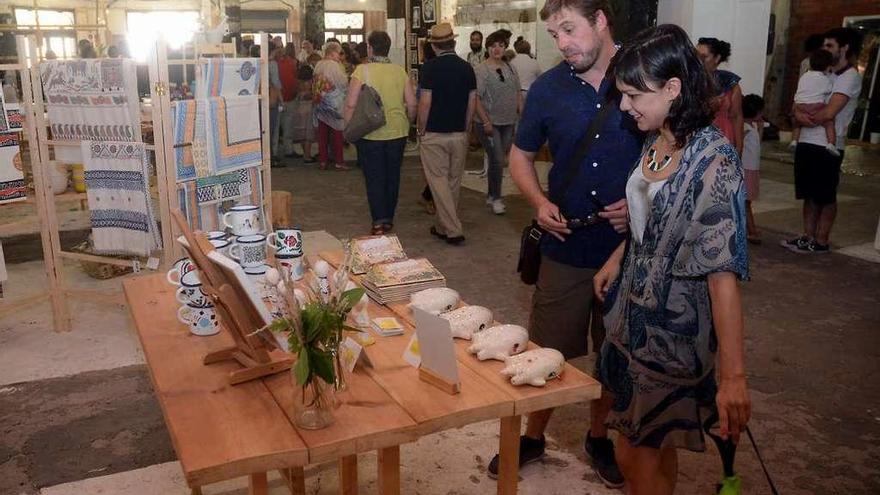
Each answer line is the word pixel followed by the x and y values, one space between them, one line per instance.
pixel 670 291
pixel 728 111
pixel 499 104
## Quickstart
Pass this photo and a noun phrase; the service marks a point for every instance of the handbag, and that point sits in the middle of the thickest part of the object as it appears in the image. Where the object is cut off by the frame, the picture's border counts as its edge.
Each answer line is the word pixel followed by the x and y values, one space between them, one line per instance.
pixel 529 263
pixel 368 113
pixel 731 484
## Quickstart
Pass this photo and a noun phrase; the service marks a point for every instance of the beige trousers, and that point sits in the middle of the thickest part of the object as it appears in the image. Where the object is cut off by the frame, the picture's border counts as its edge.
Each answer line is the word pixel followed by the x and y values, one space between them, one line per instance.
pixel 443 156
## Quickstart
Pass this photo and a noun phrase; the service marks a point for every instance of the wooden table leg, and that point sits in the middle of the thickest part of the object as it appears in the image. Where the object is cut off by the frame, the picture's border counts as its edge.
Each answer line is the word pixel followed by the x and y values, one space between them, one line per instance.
pixel 258 484
pixel 295 479
pixel 508 465
pixel 389 470
pixel 196 490
pixel 348 475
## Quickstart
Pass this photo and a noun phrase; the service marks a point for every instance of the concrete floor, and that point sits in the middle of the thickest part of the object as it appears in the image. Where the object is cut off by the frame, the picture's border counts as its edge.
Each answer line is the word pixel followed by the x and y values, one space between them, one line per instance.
pixel 78 417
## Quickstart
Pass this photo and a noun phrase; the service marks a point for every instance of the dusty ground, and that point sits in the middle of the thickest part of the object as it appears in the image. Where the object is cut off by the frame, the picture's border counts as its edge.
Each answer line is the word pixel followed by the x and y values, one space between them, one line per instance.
pixel 812 350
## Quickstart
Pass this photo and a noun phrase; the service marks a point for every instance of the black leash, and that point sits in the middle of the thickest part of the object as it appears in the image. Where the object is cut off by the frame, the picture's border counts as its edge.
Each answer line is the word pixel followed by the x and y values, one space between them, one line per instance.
pixel 727 449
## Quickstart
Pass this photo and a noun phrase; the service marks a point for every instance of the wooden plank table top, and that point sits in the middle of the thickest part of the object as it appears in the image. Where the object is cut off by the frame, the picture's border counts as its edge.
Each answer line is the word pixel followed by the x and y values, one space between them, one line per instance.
pixel 573 385
pixel 219 431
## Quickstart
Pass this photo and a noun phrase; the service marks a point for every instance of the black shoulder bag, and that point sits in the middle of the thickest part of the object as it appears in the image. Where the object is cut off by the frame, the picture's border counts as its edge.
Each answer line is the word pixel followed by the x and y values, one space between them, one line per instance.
pixel 529 263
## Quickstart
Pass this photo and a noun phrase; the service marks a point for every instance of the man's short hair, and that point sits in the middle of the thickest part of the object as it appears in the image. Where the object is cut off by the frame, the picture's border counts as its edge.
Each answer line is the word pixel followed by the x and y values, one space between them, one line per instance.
pixel 479 33
pixel 587 8
pixel 847 36
pixel 381 43
pixel 813 42
pixel 445 46
pixel 821 60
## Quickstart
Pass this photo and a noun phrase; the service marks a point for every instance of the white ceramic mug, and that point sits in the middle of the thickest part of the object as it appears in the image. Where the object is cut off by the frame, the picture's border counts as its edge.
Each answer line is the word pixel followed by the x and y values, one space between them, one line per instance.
pixel 181 267
pixel 221 245
pixel 249 250
pixel 244 220
pixel 216 234
pixel 286 242
pixel 190 292
pixel 293 265
pixel 257 274
pixel 201 321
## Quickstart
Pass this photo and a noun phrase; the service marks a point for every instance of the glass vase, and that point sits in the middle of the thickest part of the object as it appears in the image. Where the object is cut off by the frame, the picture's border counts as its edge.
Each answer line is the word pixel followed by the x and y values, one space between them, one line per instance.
pixel 313 405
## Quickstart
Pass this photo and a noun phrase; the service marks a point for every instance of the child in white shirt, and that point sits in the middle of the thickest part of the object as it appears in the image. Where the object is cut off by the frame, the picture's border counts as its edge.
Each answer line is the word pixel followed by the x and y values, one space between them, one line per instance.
pixel 813 92
pixel 753 124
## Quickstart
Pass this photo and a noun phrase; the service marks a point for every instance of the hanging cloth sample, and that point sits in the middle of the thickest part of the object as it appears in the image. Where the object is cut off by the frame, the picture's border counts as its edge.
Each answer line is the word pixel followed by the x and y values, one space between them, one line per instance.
pixel 91 100
pixel 120 207
pixel 229 77
pixel 12 186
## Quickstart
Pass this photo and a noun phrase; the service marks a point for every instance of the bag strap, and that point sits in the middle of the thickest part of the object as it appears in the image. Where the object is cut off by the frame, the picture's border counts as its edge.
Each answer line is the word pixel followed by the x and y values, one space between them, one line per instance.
pixel 582 147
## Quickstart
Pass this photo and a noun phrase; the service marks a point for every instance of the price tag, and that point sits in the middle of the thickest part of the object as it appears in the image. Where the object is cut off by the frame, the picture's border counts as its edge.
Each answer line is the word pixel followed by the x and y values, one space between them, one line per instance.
pixel 349 353
pixel 413 353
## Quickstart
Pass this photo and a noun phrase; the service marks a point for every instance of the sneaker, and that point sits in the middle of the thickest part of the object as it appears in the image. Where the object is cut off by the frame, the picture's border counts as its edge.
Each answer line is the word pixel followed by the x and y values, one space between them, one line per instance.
pixel 813 247
pixel 794 244
pixel 530 450
pixel 498 207
pixel 793 144
pixel 455 241
pixel 600 453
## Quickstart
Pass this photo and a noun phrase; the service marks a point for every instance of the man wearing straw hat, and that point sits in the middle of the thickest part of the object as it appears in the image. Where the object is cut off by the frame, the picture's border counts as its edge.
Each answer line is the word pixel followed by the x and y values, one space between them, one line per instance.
pixel 446 108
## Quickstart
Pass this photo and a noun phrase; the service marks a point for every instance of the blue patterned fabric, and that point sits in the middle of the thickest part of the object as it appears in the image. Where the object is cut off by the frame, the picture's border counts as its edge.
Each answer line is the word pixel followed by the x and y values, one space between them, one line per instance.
pixel 658 358
pixel 120 206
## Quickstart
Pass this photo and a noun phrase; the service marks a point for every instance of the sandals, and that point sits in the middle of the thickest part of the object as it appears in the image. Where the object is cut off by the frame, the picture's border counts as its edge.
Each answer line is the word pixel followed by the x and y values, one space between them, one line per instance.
pixel 341 167
pixel 377 230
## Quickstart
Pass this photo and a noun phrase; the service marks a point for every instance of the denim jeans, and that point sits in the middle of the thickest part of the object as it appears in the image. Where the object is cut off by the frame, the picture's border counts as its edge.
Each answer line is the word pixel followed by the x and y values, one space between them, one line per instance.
pixel 274 117
pixel 497 147
pixel 380 162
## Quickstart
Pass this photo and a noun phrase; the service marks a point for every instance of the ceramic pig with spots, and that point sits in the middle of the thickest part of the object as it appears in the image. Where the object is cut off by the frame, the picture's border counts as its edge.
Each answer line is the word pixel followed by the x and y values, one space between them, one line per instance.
pixel 435 301
pixel 467 321
pixel 499 342
pixel 534 367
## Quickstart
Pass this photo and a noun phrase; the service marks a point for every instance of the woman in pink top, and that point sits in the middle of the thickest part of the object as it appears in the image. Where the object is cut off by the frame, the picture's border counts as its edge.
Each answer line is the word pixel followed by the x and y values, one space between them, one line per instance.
pixel 728 113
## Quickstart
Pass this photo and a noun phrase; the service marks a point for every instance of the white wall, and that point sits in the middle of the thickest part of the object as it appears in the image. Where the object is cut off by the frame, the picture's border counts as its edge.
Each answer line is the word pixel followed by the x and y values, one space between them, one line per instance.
pixel 544 46
pixel 742 23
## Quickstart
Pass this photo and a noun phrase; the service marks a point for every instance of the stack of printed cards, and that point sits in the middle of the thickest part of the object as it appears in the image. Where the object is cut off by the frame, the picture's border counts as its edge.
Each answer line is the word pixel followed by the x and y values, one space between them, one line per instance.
pixel 374 249
pixel 396 280
pixel 386 326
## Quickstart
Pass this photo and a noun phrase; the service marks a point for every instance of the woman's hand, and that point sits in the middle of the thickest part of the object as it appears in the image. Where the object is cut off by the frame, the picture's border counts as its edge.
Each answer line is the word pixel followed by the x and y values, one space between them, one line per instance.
pixel 488 128
pixel 734 407
pixel 604 277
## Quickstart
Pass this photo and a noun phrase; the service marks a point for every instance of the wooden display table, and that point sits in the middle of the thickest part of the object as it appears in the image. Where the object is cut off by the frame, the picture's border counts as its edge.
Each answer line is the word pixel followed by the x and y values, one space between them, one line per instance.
pixel 223 431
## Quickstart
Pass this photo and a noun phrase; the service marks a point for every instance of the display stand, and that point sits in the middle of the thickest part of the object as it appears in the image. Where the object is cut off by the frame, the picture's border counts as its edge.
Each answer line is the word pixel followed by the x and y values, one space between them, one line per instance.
pixel 27 53
pixel 60 291
pixel 238 315
pixel 164 102
pixel 159 114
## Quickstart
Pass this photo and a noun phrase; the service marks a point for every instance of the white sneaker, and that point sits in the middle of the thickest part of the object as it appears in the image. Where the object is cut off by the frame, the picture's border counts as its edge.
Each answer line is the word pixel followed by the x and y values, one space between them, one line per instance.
pixel 792 144
pixel 498 207
pixel 489 200
pixel 832 149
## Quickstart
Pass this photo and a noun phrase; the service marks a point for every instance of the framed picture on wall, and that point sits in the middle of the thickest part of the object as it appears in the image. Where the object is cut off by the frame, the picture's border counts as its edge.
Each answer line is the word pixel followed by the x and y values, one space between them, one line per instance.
pixel 429 11
pixel 421 46
pixel 414 75
pixel 413 39
pixel 416 17
pixel 414 56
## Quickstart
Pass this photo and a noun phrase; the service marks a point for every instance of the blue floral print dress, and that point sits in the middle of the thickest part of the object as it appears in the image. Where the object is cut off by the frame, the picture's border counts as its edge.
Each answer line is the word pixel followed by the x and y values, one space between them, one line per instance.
pixel 658 359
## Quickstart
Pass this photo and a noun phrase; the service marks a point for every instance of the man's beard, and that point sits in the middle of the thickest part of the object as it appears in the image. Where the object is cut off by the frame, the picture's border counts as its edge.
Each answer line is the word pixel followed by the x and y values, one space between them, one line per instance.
pixel 476 48
pixel 588 60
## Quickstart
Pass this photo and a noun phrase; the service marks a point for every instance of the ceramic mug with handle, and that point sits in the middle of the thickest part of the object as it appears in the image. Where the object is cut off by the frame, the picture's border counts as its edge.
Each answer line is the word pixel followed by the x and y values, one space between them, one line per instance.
pixel 201 321
pixel 181 267
pixel 190 292
pixel 244 220
pixel 249 250
pixel 293 265
pixel 286 242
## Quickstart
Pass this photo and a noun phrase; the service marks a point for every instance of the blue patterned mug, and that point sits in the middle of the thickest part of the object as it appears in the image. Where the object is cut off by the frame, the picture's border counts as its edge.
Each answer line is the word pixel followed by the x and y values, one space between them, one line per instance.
pixel 201 321
pixel 249 250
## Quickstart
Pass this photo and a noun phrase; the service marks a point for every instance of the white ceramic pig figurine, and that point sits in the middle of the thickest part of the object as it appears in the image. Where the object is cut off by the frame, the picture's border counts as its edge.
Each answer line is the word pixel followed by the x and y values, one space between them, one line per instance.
pixel 435 301
pixel 467 321
pixel 499 342
pixel 534 367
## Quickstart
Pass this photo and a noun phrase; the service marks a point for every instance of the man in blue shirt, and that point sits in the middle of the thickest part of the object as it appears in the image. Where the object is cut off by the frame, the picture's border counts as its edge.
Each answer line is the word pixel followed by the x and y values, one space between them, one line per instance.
pixel 561 104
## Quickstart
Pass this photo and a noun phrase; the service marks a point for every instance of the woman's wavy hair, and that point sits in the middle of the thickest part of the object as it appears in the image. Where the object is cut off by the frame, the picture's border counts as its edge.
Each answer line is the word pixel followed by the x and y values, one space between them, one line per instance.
pixel 656 55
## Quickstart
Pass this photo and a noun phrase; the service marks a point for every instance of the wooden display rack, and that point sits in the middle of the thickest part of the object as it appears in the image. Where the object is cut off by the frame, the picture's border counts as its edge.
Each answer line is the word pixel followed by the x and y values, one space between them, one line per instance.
pixel 159 113
pixel 242 319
